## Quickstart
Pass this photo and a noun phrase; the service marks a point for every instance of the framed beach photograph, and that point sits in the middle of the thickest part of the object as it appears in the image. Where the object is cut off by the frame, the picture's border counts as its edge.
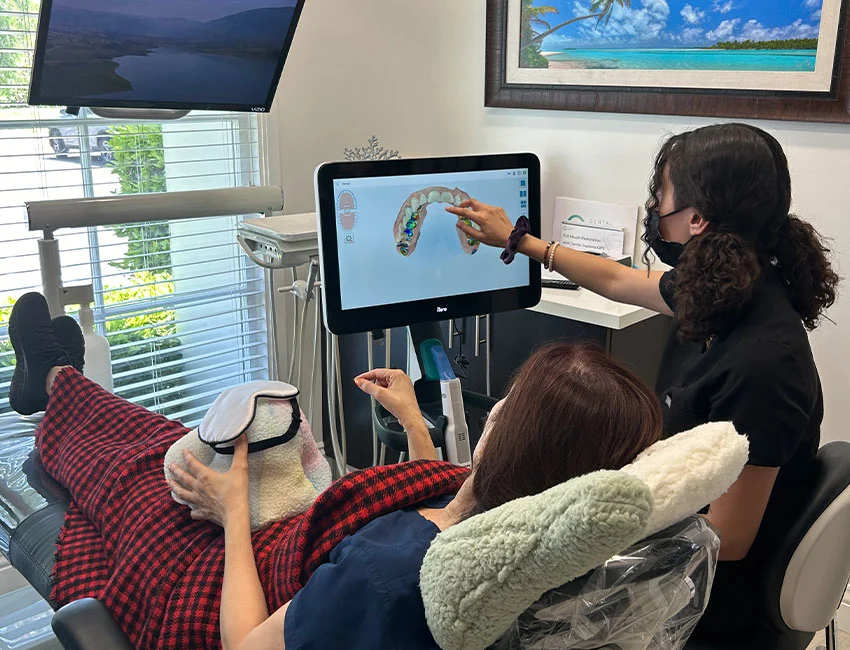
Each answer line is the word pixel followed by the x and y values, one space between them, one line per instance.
pixel 772 59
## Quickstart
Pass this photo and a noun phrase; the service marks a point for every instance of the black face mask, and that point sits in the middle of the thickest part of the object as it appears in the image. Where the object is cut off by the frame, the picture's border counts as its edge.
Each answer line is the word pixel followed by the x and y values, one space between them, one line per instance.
pixel 667 251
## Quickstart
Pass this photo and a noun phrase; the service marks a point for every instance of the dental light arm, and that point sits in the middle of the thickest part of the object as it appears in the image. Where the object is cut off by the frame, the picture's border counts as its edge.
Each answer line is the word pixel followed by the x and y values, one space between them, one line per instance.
pixel 50 216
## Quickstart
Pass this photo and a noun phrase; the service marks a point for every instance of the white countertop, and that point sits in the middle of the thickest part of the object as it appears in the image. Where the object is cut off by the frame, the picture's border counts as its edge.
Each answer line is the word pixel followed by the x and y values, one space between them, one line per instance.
pixel 588 307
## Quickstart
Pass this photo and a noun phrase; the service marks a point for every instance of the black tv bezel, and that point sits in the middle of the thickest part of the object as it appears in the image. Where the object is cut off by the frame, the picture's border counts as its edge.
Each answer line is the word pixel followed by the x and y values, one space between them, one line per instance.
pixel 37 99
pixel 351 321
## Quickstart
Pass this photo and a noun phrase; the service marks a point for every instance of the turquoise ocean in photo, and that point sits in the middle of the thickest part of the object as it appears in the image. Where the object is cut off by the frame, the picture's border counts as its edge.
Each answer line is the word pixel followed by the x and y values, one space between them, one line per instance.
pixel 690 59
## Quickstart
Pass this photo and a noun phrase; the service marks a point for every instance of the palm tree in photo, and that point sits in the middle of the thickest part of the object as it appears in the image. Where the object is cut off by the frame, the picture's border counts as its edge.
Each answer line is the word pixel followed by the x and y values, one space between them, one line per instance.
pixel 599 9
pixel 531 19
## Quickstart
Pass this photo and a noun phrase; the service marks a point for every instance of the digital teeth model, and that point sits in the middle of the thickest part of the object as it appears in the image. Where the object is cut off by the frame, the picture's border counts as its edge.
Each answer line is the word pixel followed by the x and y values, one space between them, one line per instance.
pixel 411 216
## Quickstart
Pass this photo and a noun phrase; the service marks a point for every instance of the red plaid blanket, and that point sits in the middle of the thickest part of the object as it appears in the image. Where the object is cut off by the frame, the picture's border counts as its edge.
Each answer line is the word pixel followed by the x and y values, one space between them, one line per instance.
pixel 127 543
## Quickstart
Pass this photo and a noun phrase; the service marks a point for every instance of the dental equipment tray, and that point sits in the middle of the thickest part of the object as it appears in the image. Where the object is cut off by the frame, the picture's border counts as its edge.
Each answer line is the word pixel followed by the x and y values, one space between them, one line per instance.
pixel 32 504
pixel 280 242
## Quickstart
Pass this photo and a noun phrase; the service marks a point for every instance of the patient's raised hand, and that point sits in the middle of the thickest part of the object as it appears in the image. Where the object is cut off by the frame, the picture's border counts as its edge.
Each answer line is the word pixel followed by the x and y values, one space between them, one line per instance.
pixel 213 496
pixel 394 391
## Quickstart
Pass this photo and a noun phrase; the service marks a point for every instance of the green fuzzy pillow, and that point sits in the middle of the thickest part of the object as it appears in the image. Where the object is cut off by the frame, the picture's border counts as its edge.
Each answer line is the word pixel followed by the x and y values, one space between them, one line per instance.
pixel 481 574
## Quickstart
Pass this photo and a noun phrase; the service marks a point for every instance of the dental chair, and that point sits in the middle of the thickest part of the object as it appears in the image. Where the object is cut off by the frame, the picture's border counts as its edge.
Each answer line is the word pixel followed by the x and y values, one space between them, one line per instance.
pixel 649 597
pixel 810 566
pixel 656 588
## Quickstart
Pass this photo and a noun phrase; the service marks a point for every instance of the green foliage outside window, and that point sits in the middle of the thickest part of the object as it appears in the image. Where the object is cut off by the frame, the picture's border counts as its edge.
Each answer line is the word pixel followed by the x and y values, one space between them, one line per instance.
pixel 145 342
pixel 15 53
pixel 139 164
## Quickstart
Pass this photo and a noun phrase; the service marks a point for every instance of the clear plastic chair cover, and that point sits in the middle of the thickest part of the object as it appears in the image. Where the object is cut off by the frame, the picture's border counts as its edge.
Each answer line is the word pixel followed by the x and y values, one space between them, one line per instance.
pixel 650 597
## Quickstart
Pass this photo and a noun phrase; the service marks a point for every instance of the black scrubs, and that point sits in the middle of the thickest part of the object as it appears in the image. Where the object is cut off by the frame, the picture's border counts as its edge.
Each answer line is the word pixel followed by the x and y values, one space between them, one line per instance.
pixel 761 376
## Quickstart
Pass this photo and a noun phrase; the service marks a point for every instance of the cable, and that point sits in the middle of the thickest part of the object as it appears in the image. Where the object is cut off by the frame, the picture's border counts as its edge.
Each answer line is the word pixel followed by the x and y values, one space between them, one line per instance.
pixel 299 353
pixel 294 330
pixel 315 360
pixel 370 360
pixel 340 406
pixel 387 360
pixel 329 373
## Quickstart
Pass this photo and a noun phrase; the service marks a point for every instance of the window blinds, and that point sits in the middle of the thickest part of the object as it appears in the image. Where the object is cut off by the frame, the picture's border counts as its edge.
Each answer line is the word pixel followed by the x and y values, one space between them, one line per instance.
pixel 182 307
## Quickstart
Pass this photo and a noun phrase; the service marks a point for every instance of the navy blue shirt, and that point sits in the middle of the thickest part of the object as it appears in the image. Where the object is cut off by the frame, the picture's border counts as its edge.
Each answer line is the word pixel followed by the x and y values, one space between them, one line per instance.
pixel 366 597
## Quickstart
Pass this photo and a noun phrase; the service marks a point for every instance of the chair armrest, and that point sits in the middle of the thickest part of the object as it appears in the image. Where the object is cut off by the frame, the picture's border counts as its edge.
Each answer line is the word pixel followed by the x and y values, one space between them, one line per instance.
pixel 484 402
pixel 86 624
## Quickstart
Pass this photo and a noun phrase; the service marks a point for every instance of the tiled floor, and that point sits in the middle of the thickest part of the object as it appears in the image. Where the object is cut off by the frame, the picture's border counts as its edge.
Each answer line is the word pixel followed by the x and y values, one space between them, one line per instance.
pixel 843 641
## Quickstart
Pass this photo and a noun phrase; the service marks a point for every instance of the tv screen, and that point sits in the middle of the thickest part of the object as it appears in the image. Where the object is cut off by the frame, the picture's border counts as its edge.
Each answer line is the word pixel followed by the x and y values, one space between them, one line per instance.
pixel 176 54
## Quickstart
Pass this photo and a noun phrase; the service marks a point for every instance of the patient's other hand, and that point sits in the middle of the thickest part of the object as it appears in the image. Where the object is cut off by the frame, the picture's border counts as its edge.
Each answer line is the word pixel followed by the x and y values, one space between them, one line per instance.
pixel 213 496
pixel 394 391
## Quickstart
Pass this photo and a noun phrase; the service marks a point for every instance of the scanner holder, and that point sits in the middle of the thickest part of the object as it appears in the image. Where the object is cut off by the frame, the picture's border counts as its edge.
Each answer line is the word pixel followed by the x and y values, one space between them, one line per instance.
pixel 429 396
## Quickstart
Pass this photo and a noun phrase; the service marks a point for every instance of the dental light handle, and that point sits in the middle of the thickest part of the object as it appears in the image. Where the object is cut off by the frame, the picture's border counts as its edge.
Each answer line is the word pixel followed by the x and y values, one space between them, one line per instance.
pixel 457 433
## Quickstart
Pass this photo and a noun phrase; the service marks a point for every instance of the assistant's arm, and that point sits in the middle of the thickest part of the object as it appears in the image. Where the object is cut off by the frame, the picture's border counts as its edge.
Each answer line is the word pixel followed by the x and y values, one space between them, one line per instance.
pixel 737 515
pixel 605 277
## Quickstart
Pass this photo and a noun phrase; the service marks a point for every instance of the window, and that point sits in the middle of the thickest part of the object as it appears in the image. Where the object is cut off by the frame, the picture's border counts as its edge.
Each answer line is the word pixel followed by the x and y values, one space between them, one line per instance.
pixel 181 305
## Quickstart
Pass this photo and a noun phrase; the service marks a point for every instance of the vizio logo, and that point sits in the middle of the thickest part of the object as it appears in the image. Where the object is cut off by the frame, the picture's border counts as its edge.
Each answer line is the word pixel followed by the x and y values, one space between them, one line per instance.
pixel 259 109
pixel 442 310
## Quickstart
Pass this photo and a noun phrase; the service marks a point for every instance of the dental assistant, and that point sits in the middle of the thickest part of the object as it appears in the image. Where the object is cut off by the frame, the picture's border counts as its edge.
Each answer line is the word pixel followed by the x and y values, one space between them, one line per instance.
pixel 748 280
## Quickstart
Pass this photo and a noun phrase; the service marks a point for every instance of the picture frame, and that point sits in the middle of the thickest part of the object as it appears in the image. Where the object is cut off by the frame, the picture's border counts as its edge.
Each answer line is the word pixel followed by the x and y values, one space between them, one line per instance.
pixel 585 84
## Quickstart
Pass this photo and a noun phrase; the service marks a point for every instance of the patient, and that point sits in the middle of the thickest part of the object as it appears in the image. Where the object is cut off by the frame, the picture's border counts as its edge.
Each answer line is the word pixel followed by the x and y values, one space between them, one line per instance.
pixel 571 410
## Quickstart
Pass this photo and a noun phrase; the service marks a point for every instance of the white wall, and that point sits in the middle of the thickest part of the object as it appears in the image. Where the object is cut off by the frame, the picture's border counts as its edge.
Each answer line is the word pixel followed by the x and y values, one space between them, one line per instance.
pixel 412 73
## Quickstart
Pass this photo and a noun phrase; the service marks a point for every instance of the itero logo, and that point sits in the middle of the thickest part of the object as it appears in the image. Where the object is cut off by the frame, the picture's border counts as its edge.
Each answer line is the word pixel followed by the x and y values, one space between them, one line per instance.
pixel 441 310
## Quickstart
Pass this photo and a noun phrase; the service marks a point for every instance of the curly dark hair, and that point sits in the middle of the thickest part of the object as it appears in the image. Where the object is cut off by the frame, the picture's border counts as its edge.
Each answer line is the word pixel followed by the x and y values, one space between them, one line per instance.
pixel 736 176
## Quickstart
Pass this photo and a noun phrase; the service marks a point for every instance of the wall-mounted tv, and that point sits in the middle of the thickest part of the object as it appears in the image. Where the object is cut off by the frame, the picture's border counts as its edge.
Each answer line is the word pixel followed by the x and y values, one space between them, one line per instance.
pixel 174 54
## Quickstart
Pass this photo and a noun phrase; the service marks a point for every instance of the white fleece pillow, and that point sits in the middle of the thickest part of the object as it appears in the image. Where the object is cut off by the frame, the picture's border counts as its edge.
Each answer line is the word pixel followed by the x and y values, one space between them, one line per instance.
pixel 690 470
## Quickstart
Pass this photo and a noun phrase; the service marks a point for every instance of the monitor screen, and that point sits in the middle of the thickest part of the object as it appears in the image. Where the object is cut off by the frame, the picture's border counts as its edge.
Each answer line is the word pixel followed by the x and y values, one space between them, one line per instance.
pixel 179 54
pixel 392 255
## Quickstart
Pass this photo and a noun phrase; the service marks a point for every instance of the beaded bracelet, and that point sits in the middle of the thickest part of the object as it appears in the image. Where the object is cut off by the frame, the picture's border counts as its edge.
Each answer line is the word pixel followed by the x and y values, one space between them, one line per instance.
pixel 550 266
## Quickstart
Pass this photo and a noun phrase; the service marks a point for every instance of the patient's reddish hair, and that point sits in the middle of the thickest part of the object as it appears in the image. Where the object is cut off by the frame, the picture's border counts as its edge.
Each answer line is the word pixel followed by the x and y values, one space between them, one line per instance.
pixel 571 410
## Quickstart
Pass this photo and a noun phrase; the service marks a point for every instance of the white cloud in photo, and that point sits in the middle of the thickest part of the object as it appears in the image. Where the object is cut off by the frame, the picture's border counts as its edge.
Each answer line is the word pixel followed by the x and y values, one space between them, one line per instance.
pixel 643 24
pixel 753 30
pixel 691 15
pixel 813 4
pixel 692 35
pixel 724 31
pixel 723 6
pixel 557 42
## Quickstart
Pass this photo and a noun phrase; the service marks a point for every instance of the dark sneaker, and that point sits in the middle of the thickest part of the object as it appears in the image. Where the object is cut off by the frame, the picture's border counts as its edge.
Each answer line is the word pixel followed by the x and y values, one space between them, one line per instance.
pixel 37 350
pixel 71 340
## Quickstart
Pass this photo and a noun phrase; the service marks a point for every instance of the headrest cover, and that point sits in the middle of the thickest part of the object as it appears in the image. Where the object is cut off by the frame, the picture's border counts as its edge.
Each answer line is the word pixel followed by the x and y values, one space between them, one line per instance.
pixel 234 410
pixel 690 470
